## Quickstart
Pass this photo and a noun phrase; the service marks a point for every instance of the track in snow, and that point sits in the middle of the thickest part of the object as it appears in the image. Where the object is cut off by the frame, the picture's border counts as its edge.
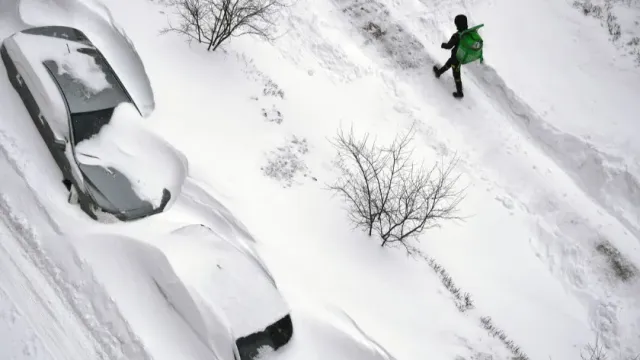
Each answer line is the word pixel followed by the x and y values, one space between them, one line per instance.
pixel 393 33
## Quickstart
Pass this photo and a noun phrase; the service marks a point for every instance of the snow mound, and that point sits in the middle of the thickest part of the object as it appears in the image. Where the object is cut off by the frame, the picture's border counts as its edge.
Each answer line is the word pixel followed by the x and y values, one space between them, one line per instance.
pixel 328 334
pixel 149 162
pixel 96 21
pixel 225 275
pixel 159 308
pixel 200 202
pixel 611 180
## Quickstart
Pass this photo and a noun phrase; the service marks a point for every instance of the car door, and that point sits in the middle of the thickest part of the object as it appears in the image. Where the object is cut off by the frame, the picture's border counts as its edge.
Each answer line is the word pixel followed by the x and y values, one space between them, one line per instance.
pixel 33 94
pixel 39 104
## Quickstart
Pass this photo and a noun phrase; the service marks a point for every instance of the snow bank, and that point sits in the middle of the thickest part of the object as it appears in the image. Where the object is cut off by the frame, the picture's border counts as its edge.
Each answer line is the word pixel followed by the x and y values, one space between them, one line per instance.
pixel 159 308
pixel 95 20
pixel 224 275
pixel 198 199
pixel 149 162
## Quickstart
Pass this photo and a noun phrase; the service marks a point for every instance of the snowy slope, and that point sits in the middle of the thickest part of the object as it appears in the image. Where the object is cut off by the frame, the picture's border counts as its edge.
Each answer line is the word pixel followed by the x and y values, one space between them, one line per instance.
pixel 546 140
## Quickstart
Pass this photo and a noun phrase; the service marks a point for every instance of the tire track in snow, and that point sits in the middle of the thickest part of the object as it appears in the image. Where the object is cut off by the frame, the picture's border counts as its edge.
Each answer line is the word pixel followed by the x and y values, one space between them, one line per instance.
pixel 31 172
pixel 18 253
pixel 79 302
pixel 24 311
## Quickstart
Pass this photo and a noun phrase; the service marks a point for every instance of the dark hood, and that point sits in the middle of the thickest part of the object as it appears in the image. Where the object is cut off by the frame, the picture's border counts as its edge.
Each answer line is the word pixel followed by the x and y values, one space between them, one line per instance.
pixel 461 22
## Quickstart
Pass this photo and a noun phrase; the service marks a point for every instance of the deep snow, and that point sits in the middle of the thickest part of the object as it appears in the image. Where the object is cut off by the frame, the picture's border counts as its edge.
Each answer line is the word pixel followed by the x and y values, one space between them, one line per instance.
pixel 546 146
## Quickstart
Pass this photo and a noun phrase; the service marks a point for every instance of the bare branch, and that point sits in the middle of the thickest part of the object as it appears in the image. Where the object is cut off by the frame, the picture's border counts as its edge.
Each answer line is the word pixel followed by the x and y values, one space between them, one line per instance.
pixel 214 21
pixel 594 352
pixel 387 193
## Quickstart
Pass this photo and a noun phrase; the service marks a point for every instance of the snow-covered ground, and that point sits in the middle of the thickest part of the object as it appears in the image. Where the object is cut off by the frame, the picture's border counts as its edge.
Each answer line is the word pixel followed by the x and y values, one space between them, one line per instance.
pixel 546 141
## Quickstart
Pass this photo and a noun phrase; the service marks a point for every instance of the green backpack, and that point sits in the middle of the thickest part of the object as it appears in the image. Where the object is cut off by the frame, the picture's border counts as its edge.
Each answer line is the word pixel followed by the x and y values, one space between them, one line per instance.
pixel 470 47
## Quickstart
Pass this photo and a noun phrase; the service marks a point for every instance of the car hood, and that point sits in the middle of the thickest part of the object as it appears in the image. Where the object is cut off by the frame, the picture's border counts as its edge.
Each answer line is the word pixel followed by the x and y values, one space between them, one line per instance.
pixel 125 150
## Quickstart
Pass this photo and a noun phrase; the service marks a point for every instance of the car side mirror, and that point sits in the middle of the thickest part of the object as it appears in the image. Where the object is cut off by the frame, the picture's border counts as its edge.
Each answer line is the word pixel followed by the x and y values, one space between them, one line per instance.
pixel 60 144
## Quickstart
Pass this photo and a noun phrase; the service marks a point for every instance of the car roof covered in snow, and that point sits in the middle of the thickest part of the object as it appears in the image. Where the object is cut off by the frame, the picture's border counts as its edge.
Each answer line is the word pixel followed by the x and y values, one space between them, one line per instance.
pixel 81 72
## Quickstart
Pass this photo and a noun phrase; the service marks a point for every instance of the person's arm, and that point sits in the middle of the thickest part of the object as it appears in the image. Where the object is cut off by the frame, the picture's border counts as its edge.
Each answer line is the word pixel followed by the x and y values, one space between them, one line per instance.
pixel 452 42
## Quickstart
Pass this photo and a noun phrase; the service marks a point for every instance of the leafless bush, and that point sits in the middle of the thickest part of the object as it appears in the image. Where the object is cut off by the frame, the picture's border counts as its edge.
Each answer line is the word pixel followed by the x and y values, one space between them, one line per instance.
pixel 588 8
pixel 622 268
pixel 598 351
pixel 374 29
pixel 213 21
pixel 594 352
pixel 286 163
pixel 613 26
pixel 387 193
pixel 463 301
pixel 494 331
pixel 605 14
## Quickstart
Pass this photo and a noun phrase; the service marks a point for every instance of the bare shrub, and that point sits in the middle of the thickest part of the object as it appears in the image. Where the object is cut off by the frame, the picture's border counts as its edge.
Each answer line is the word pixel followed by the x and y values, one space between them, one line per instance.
pixel 594 352
pixel 588 8
pixel 463 301
pixel 613 26
pixel 390 195
pixel 494 331
pixel 597 351
pixel 286 163
pixel 374 29
pixel 212 22
pixel 622 268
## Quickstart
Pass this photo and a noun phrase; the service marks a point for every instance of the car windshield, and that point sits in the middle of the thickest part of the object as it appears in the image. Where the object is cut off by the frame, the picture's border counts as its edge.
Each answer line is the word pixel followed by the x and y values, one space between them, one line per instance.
pixel 79 95
pixel 87 124
pixel 61 32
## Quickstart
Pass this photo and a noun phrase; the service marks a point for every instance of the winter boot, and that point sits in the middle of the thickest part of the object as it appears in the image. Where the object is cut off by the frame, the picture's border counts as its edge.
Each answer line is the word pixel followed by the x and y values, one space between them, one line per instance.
pixel 458 94
pixel 436 72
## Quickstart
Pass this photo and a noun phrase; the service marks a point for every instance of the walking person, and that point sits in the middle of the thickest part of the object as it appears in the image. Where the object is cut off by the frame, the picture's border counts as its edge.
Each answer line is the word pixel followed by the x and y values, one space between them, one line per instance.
pixel 466 46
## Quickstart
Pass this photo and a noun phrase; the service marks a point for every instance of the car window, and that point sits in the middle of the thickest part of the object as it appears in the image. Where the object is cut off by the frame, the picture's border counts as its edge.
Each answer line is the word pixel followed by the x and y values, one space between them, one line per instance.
pixel 62 32
pixel 85 125
pixel 81 98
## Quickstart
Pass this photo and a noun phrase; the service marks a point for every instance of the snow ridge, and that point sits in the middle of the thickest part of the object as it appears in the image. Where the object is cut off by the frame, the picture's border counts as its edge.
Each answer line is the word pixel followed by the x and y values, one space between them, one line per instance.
pixel 604 177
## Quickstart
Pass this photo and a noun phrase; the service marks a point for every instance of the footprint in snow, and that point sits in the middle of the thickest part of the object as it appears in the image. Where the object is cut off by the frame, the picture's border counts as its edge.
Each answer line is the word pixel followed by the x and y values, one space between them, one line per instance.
pixel 505 201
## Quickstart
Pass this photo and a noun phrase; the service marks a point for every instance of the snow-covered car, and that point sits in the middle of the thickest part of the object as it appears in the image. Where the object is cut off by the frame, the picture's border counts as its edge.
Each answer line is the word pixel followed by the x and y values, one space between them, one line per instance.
pixel 231 279
pixel 73 95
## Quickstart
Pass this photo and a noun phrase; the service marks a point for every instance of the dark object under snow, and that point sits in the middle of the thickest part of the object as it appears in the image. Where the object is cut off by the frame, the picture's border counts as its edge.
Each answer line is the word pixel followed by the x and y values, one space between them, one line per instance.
pixel 274 336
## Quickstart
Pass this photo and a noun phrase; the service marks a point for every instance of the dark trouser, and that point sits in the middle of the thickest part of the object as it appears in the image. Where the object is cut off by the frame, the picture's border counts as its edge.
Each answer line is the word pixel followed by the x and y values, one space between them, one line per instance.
pixel 455 66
